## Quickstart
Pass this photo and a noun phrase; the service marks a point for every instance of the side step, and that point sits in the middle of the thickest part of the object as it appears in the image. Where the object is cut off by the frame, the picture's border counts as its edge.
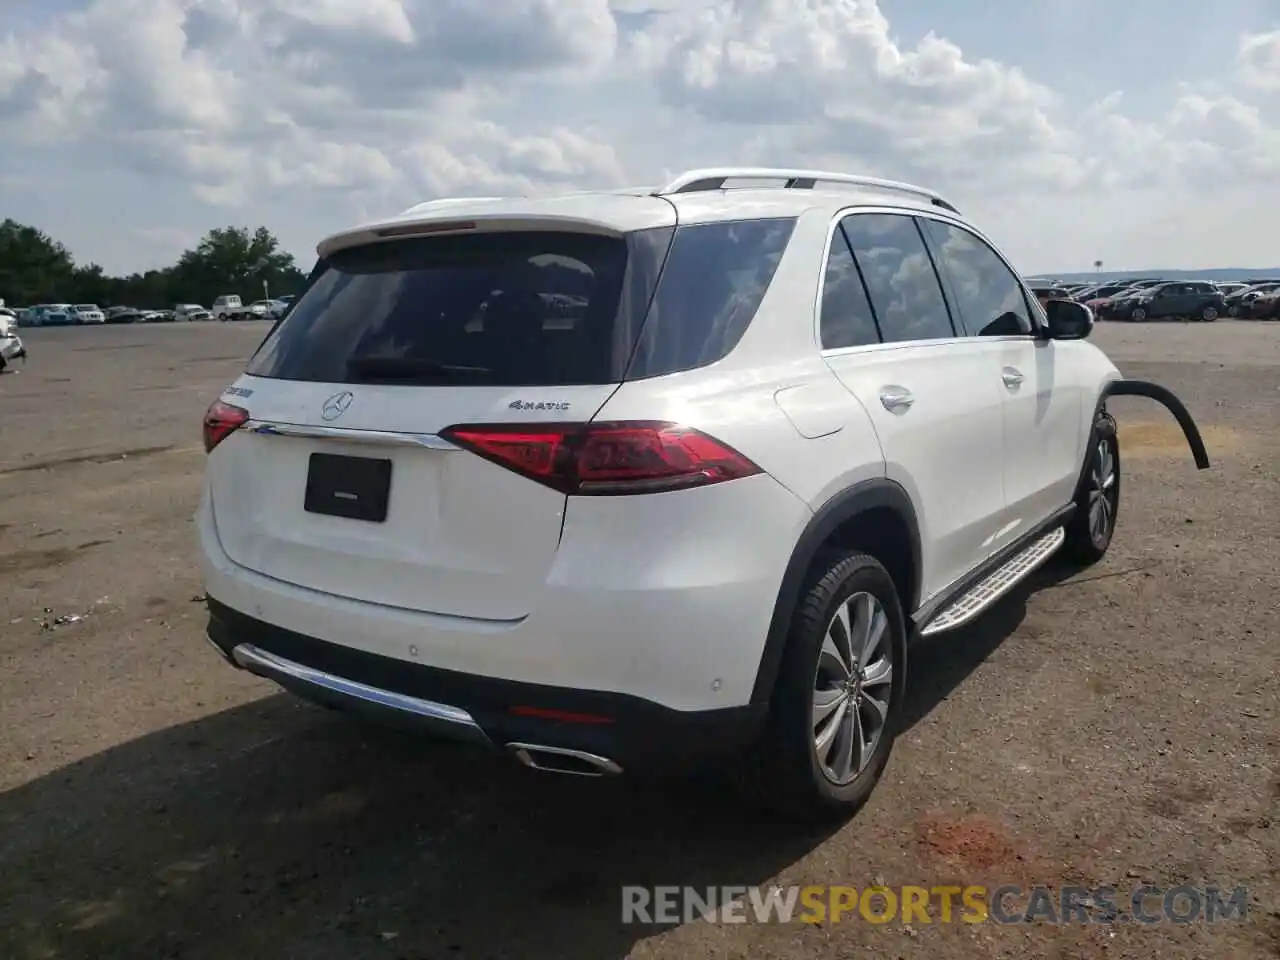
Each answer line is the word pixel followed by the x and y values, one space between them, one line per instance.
pixel 988 591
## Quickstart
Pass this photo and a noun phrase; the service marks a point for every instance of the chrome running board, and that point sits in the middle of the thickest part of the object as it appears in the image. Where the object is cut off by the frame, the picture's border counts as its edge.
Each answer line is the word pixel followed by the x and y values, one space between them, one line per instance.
pixel 986 592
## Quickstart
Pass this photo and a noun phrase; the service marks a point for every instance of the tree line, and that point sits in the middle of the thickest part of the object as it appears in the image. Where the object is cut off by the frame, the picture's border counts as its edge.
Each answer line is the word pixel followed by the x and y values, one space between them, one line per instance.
pixel 35 268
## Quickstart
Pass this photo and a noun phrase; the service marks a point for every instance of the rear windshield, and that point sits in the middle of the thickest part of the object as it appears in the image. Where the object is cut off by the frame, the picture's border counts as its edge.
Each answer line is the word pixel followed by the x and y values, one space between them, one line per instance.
pixel 526 308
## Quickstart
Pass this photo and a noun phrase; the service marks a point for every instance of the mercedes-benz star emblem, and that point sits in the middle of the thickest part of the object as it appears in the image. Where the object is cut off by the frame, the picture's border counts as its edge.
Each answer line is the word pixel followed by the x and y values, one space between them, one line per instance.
pixel 337 405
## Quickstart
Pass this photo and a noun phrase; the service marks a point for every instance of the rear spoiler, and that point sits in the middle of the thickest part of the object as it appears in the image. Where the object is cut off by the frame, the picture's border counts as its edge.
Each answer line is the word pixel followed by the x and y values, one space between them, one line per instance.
pixel 1153 391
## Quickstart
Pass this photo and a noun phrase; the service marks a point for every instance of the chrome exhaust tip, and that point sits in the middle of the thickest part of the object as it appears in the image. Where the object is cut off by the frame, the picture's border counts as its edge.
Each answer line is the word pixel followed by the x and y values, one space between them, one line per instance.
pixel 576 763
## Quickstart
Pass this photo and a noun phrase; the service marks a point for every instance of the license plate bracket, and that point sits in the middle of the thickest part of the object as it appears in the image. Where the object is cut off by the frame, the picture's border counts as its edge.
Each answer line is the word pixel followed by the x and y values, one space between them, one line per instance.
pixel 357 488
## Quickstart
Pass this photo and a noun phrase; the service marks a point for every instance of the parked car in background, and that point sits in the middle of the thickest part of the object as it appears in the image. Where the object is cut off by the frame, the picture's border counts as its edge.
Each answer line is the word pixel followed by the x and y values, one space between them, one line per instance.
pixel 87 313
pixel 53 315
pixel 11 347
pixel 1102 292
pixel 1229 287
pixel 1113 307
pixel 1122 302
pixel 1240 303
pixel 258 310
pixel 122 314
pixel 156 316
pixel 1044 292
pixel 227 307
pixel 1265 306
pixel 191 312
pixel 1196 299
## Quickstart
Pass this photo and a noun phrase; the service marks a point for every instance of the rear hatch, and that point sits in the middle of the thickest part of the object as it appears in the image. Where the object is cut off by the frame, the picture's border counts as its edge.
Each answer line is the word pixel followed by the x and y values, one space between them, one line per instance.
pixel 341 484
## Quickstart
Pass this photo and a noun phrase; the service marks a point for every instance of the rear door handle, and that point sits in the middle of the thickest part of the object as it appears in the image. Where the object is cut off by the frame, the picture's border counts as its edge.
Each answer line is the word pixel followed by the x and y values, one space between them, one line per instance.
pixel 1011 377
pixel 896 398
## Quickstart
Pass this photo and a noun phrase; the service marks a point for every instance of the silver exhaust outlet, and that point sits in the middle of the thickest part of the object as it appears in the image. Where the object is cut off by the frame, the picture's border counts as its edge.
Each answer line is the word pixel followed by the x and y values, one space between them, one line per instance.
pixel 576 763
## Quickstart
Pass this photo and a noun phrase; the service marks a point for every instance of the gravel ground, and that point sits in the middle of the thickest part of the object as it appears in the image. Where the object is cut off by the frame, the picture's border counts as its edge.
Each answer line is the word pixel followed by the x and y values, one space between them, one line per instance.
pixel 1110 728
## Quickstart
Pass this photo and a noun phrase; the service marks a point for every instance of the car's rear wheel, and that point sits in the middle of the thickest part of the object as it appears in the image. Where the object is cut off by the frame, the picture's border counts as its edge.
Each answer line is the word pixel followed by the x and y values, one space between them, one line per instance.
pixel 837 704
pixel 1209 314
pixel 1093 524
pixel 1139 315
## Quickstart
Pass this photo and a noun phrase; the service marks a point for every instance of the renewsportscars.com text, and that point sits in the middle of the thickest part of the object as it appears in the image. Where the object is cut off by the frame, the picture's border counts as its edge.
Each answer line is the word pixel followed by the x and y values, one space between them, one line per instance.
pixel 1007 904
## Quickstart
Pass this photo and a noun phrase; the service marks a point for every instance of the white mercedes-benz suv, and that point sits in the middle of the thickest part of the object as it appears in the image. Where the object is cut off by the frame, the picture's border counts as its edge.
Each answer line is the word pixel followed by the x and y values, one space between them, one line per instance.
pixel 632 481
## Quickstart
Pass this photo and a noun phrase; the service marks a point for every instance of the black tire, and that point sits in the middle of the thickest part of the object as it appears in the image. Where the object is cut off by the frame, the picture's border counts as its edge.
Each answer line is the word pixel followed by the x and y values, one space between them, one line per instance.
pixel 1139 315
pixel 783 772
pixel 1086 541
pixel 1209 314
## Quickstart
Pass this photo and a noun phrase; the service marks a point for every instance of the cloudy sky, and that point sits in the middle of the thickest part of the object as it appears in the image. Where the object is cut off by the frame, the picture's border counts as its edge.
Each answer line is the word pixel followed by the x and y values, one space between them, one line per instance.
pixel 1145 133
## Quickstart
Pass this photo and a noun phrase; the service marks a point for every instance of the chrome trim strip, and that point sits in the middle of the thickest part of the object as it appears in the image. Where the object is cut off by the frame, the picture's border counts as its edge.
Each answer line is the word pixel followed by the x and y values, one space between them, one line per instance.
pixel 526 753
pixel 452 719
pixel 428 441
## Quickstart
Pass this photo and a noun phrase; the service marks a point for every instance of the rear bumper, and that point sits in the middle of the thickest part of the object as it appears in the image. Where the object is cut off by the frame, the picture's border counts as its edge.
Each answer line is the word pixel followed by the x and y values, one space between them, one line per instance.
pixel 619 733
pixel 666 600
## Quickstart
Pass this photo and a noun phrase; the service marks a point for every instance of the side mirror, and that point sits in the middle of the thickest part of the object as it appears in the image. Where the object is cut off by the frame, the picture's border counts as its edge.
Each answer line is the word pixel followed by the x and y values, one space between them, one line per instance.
pixel 1068 320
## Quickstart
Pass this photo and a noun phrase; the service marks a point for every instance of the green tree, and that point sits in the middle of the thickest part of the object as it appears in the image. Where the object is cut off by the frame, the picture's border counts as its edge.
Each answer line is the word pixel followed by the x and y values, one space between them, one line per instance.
pixel 37 269
pixel 33 266
pixel 235 260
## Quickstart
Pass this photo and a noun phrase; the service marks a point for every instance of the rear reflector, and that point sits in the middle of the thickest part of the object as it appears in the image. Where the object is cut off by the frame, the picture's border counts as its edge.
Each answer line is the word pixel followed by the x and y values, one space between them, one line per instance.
pixel 564 716
pixel 604 459
pixel 220 421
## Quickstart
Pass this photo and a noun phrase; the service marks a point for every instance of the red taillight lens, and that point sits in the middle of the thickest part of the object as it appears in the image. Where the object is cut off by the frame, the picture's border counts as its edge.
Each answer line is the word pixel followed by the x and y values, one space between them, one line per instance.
pixel 220 421
pixel 605 458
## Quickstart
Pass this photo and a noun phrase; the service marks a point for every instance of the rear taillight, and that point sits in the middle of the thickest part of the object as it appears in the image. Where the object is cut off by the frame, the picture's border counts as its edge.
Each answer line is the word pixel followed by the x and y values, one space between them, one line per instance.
pixel 605 458
pixel 220 421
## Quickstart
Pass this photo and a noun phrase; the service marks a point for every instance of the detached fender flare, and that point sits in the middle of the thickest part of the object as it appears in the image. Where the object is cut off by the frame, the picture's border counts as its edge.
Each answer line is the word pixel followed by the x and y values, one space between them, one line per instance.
pixel 1153 391
pixel 875 494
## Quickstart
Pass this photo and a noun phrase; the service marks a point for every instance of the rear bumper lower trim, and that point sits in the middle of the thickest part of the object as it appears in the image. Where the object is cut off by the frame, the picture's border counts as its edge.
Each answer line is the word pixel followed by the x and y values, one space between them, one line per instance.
pixel 636 735
pixel 318 685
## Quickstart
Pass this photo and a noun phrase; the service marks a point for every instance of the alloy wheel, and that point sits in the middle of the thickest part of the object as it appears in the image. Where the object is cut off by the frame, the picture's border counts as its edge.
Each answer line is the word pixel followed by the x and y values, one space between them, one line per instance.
pixel 852 688
pixel 1102 496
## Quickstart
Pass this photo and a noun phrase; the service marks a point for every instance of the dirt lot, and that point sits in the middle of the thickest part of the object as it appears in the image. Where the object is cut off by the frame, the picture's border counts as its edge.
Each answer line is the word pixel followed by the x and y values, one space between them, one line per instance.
pixel 1115 727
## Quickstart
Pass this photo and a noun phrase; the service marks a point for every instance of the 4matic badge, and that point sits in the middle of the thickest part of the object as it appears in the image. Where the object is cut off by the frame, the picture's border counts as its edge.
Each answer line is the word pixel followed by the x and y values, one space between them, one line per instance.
pixel 538 405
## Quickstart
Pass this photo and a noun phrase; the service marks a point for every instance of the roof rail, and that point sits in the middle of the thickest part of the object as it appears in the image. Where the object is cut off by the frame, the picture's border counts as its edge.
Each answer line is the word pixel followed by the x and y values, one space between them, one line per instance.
pixel 713 178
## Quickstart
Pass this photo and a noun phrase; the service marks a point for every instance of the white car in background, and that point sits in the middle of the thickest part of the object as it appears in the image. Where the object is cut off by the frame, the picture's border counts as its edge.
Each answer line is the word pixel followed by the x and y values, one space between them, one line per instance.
pixel 191 312
pixel 11 347
pixel 87 313
pixel 227 307
pixel 259 310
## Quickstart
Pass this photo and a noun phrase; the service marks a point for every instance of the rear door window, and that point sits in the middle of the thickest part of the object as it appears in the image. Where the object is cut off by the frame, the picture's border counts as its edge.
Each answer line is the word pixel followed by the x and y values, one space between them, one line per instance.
pixel 500 309
pixel 900 278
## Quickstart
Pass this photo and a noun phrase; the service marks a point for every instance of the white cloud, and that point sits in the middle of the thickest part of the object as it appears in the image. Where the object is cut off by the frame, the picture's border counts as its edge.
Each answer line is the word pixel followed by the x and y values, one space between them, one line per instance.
pixel 306 113
pixel 1260 60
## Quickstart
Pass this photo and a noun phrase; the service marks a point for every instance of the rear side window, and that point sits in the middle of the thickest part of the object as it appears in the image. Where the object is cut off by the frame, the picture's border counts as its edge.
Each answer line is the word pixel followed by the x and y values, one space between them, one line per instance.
pixel 499 309
pixel 715 276
pixel 904 288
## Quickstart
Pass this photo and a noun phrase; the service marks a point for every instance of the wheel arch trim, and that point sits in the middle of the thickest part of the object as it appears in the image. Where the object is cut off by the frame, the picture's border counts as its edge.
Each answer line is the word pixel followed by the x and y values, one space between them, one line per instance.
pixel 1124 387
pixel 875 494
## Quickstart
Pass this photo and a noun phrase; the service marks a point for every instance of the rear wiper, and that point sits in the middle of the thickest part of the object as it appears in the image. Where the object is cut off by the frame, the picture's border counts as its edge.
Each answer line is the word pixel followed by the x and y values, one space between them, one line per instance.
pixel 410 368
